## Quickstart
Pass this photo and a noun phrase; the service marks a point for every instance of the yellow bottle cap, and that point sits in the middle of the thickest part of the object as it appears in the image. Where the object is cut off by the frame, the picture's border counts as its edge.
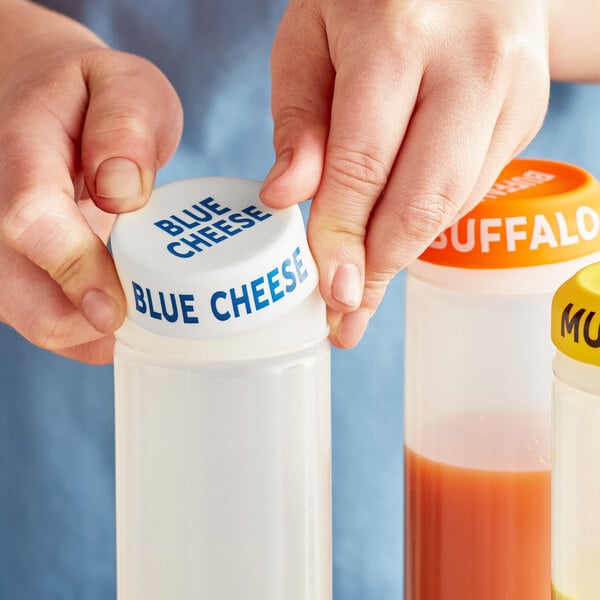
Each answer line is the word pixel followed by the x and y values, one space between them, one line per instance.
pixel 576 316
pixel 538 212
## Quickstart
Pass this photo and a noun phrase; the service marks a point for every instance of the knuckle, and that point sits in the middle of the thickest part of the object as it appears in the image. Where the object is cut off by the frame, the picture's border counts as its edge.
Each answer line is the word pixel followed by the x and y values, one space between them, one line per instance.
pixel 67 270
pixel 289 119
pixel 24 226
pixel 30 225
pixel 123 127
pixel 362 171
pixel 335 232
pixel 47 333
pixel 492 69
pixel 288 116
pixel 500 57
pixel 419 27
pixel 375 287
pixel 21 214
pixel 126 122
pixel 51 335
pixel 426 217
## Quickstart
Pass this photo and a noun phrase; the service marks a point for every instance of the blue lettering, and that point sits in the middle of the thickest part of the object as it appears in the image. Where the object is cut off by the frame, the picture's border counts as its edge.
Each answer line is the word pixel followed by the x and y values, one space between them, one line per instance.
pixel 289 275
pixel 213 236
pixel 138 294
pixel 172 316
pixel 169 227
pixel 225 227
pixel 200 215
pixel 214 207
pixel 302 274
pixel 255 213
pixel 244 299
pixel 221 316
pixel 262 291
pixel 173 249
pixel 258 292
pixel 274 285
pixel 242 221
pixel 153 313
pixel 169 307
pixel 186 224
pixel 187 307
pixel 195 241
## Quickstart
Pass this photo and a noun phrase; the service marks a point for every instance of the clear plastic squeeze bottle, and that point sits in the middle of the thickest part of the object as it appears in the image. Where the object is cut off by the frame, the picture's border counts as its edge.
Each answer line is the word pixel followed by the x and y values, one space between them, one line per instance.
pixel 222 400
pixel 576 438
pixel 478 379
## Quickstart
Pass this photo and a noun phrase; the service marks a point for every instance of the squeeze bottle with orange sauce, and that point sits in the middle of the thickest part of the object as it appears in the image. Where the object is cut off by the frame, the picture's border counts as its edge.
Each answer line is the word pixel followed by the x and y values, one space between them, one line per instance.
pixel 222 392
pixel 576 438
pixel 477 383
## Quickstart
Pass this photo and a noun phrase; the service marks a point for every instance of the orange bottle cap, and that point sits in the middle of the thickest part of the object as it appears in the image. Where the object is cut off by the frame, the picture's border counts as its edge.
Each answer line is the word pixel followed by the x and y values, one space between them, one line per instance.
pixel 538 212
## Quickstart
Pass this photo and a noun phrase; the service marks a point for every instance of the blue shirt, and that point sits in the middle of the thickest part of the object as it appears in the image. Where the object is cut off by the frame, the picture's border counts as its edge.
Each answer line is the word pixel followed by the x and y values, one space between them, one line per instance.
pixel 56 415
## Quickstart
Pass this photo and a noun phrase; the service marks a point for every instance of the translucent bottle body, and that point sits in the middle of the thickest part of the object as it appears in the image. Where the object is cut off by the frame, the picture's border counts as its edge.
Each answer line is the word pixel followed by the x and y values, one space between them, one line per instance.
pixel 222 393
pixel 575 480
pixel 223 477
pixel 478 379
pixel 477 432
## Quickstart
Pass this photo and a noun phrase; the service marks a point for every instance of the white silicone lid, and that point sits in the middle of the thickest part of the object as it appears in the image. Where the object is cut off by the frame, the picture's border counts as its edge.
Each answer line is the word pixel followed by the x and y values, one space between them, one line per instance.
pixel 206 259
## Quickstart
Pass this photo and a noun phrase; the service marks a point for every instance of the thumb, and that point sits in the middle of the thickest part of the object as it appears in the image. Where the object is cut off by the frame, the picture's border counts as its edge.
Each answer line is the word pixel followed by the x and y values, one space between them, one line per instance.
pixel 302 87
pixel 132 127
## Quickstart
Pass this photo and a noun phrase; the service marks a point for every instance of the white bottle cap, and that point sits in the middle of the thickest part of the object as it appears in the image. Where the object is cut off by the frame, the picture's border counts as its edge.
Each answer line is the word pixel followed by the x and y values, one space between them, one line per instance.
pixel 205 259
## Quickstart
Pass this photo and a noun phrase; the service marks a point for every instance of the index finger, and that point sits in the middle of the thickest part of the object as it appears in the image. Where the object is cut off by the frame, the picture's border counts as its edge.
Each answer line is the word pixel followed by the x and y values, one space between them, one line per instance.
pixel 368 124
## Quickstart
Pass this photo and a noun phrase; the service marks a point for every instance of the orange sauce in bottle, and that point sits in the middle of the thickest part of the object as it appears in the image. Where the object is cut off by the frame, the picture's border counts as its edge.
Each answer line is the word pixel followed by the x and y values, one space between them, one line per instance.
pixel 476 534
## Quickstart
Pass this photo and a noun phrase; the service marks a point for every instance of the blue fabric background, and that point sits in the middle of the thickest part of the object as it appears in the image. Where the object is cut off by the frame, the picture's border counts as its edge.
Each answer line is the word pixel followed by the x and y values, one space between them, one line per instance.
pixel 56 439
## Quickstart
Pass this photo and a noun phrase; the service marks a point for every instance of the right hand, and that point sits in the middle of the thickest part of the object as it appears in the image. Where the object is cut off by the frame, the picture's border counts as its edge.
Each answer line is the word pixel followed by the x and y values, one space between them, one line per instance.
pixel 396 117
pixel 83 130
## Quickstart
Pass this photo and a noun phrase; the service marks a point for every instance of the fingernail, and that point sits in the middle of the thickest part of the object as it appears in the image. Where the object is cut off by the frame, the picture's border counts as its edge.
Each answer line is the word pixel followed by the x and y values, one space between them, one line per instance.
pixel 279 168
pixel 347 285
pixel 333 319
pixel 351 329
pixel 118 178
pixel 100 310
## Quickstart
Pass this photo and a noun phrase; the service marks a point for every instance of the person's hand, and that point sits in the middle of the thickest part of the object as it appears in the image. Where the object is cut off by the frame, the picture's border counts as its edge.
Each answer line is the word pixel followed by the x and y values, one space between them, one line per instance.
pixel 83 130
pixel 396 116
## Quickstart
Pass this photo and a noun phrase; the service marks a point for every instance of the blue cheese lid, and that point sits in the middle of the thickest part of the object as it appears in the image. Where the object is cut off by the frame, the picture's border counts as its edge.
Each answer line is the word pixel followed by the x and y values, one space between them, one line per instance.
pixel 205 259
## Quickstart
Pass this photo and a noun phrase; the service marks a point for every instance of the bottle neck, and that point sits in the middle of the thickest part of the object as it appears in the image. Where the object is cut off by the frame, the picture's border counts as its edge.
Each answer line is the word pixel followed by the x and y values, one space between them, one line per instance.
pixel 301 328
pixel 542 279
pixel 579 375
